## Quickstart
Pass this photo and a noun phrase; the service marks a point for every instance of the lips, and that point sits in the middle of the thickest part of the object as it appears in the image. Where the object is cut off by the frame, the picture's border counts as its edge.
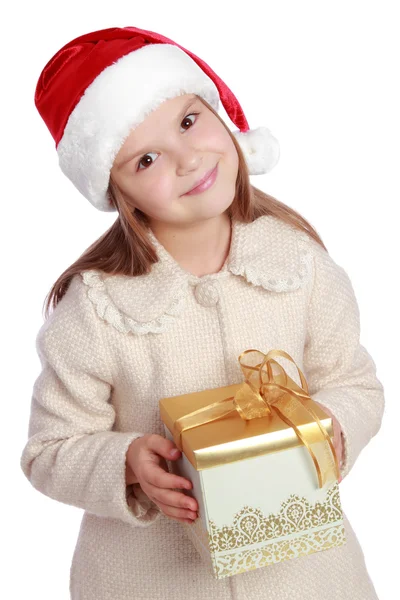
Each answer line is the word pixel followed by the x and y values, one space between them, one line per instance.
pixel 209 175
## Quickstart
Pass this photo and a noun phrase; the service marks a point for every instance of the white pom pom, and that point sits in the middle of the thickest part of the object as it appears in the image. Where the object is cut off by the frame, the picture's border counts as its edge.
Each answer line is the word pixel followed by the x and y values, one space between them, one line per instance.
pixel 260 149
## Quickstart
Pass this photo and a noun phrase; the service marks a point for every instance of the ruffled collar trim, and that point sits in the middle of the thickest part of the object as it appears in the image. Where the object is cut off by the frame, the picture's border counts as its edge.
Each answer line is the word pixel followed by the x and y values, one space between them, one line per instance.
pixel 266 252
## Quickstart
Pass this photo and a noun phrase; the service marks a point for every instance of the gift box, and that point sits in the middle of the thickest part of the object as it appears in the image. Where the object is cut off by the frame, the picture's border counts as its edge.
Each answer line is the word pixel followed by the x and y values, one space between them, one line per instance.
pixel 263 467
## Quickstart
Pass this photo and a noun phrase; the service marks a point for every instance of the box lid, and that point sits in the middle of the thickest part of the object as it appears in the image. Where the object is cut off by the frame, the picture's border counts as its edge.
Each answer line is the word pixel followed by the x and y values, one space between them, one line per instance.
pixel 232 438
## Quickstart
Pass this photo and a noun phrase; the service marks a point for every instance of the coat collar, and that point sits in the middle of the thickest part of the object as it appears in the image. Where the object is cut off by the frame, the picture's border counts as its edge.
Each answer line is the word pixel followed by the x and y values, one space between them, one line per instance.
pixel 266 252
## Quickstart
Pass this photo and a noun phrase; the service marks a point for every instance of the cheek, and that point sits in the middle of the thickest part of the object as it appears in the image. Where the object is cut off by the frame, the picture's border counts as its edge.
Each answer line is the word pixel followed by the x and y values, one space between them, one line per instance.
pixel 228 148
pixel 156 192
pixel 160 187
pixel 215 139
pixel 231 151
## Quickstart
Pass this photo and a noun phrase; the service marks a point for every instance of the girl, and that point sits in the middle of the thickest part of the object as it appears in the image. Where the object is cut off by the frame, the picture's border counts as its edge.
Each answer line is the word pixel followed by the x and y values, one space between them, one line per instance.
pixel 199 266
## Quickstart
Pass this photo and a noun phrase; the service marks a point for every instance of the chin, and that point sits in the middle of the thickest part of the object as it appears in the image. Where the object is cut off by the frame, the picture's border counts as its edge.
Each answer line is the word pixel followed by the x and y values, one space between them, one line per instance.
pixel 216 210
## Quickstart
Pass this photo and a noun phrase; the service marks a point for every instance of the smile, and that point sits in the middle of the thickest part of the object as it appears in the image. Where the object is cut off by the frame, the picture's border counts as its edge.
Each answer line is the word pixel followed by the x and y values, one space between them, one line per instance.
pixel 204 185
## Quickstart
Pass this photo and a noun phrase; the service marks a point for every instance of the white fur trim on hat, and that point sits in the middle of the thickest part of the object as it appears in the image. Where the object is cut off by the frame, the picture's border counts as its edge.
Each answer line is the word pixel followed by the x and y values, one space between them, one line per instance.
pixel 117 101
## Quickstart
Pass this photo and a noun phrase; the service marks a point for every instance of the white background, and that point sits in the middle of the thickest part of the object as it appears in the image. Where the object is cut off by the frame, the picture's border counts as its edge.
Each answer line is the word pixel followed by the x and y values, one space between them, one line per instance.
pixel 323 76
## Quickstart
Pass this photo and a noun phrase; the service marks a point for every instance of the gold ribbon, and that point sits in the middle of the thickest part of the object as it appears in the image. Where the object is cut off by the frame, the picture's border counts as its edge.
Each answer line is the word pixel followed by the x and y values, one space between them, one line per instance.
pixel 257 399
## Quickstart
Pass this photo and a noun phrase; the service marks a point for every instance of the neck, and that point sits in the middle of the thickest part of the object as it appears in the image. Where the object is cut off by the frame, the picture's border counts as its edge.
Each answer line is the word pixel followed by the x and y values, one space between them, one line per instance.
pixel 200 248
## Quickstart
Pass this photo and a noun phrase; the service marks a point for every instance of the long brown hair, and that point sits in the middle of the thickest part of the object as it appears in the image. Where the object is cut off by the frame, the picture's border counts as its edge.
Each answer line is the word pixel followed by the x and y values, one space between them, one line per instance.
pixel 125 249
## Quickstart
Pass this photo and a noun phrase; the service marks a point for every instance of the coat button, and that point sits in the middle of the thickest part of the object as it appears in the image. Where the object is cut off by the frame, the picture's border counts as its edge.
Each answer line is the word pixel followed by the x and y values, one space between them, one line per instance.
pixel 206 293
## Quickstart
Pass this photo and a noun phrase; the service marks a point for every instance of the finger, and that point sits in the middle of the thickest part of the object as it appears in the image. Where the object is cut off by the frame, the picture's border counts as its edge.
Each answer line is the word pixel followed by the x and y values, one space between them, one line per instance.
pixel 164 447
pixel 155 475
pixel 171 498
pixel 175 512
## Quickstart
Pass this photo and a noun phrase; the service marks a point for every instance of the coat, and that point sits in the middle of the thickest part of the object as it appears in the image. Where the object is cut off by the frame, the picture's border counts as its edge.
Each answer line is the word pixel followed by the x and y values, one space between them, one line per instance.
pixel 115 345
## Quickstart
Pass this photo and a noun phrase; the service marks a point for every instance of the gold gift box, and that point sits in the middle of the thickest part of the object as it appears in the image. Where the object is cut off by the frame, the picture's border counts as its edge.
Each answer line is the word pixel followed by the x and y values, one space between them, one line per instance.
pixel 266 486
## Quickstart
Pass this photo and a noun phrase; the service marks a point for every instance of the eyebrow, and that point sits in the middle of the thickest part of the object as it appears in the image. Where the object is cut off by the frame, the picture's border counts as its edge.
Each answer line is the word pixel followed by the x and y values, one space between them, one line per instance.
pixel 143 150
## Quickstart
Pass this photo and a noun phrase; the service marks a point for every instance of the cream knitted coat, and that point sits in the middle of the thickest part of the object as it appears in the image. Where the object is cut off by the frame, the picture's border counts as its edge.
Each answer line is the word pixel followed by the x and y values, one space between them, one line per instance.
pixel 115 345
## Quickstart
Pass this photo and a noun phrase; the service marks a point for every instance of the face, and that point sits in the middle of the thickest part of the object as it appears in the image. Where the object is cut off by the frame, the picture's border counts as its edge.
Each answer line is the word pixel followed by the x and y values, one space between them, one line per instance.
pixel 168 154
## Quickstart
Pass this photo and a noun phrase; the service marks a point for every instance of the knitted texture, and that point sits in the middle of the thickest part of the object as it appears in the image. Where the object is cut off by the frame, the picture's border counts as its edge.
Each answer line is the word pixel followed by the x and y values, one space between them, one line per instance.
pixel 115 345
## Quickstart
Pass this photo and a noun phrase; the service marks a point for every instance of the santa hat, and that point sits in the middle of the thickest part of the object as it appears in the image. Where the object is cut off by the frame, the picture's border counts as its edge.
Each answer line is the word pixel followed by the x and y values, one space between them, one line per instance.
pixel 101 85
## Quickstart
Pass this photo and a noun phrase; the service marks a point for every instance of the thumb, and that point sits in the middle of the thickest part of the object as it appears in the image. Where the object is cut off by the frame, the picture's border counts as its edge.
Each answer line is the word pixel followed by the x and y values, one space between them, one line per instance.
pixel 164 447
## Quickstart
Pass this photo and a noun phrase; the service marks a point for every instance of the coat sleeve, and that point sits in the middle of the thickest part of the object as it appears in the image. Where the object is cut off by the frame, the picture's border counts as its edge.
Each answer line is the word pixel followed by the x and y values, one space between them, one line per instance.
pixel 340 373
pixel 72 454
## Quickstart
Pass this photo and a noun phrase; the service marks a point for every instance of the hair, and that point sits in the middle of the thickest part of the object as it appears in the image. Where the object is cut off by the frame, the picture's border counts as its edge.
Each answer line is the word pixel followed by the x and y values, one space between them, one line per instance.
pixel 125 248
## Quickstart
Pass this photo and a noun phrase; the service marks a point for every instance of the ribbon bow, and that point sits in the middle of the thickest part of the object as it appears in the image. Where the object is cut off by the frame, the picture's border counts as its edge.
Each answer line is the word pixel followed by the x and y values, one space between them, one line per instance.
pixel 257 398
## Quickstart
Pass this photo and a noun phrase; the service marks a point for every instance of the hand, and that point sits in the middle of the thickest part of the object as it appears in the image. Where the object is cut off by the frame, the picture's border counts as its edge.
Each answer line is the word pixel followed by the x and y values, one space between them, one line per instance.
pixel 337 436
pixel 146 465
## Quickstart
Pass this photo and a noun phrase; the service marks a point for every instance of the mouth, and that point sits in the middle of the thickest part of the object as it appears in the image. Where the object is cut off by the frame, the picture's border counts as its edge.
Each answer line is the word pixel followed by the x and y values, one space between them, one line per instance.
pixel 205 183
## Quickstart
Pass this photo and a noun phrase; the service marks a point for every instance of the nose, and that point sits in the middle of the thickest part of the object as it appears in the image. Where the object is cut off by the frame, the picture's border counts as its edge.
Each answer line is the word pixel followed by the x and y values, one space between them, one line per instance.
pixel 188 160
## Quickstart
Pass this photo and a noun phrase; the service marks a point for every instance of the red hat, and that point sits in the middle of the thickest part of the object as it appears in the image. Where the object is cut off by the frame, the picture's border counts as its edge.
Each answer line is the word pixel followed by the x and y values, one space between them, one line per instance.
pixel 101 85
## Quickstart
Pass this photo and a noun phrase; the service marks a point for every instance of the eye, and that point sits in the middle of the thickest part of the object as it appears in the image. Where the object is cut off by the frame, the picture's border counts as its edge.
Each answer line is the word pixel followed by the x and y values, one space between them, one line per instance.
pixel 187 118
pixel 146 156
